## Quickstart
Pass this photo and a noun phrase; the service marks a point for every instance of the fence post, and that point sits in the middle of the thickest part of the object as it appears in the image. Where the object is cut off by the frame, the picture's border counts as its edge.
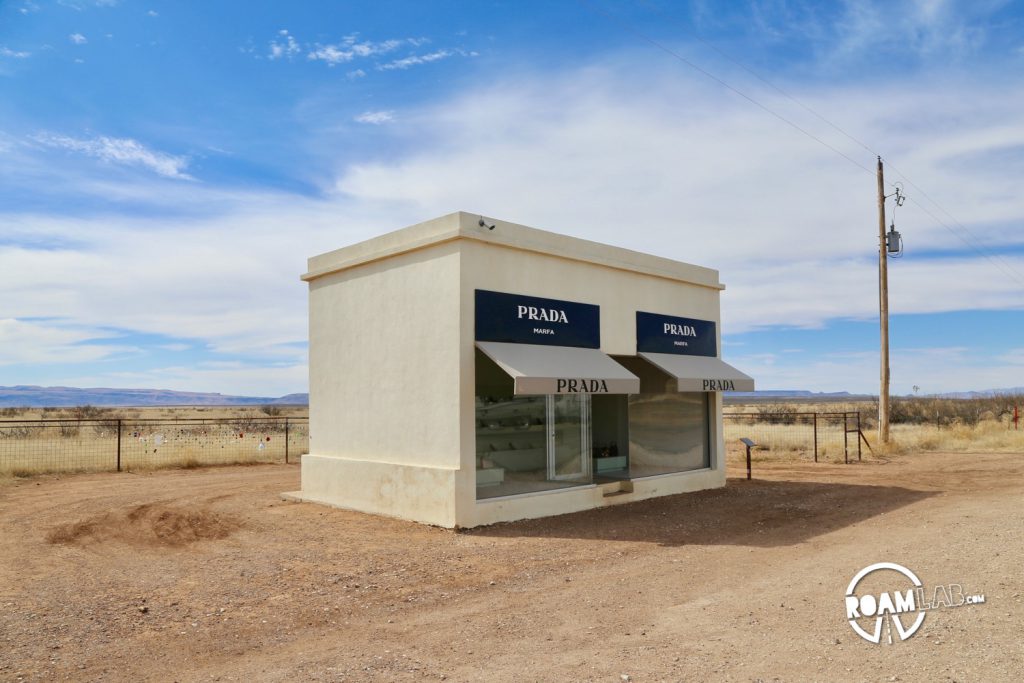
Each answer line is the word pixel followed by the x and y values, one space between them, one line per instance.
pixel 286 441
pixel 846 438
pixel 858 436
pixel 119 444
pixel 815 436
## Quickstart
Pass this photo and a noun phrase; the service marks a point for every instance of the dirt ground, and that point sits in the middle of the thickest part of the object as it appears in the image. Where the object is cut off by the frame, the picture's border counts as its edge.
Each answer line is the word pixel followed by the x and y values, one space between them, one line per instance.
pixel 198 575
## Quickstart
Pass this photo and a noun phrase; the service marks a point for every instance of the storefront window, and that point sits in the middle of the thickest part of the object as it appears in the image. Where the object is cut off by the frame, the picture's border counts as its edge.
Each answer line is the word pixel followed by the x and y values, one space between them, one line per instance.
pixel 526 444
pixel 668 433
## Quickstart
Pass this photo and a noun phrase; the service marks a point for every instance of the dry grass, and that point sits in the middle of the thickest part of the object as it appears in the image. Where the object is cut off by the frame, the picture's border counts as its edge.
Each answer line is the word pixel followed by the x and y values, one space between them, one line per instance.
pixel 990 436
pixel 779 441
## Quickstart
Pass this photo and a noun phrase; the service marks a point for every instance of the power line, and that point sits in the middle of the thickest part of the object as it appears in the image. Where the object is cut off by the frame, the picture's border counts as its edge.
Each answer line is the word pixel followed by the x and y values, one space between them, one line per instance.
pixel 999 262
pixel 996 259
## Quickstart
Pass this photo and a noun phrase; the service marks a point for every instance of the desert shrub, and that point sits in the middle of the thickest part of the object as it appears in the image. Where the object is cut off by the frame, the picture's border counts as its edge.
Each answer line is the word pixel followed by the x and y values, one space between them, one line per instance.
pixel 105 427
pixel 247 422
pixel 88 412
pixel 69 428
pixel 12 411
pixel 944 412
pixel 271 410
pixel 777 413
pixel 16 432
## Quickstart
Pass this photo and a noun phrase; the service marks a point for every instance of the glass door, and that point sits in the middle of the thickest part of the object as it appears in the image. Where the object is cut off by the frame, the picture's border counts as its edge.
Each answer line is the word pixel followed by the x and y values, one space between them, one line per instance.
pixel 568 422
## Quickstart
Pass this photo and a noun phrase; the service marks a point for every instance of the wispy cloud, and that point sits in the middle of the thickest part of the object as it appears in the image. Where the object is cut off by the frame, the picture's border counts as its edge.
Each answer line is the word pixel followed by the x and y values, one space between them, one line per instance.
pixel 415 60
pixel 376 117
pixel 1014 357
pixel 78 39
pixel 35 342
pixel 120 151
pixel 14 54
pixel 284 47
pixel 350 48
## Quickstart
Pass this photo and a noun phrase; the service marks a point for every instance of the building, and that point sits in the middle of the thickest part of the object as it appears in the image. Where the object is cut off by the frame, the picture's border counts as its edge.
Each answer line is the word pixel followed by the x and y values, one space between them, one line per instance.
pixel 467 371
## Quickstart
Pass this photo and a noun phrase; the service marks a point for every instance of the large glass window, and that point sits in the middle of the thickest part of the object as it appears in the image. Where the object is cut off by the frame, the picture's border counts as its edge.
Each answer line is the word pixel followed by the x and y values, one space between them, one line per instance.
pixel 668 433
pixel 526 444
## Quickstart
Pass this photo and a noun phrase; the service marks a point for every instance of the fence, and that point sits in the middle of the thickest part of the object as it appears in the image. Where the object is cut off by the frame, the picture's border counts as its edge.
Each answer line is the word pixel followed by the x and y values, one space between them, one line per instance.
pixel 821 435
pixel 76 445
pixel 72 445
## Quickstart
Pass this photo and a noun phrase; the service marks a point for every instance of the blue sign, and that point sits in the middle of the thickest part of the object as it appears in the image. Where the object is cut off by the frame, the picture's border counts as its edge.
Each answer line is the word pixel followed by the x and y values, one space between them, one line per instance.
pixel 668 334
pixel 521 319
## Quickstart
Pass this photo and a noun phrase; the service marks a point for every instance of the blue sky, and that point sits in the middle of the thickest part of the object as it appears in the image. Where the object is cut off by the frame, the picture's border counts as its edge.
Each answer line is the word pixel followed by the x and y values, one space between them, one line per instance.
pixel 166 168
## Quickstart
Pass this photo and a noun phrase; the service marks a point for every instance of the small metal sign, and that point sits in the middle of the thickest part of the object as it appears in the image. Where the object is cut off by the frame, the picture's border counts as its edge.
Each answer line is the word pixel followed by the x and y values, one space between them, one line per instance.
pixel 521 319
pixel 656 333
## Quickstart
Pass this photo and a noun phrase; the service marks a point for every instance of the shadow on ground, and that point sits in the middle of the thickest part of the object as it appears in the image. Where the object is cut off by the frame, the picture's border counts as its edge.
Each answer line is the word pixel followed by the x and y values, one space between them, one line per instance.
pixel 754 513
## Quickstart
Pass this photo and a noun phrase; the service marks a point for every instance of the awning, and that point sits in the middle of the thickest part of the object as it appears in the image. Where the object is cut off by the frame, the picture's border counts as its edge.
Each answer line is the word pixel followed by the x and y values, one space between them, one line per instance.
pixel 560 369
pixel 701 373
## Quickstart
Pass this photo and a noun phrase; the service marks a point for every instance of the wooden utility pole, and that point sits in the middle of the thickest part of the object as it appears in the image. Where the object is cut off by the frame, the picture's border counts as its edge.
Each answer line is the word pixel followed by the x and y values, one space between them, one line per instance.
pixel 883 312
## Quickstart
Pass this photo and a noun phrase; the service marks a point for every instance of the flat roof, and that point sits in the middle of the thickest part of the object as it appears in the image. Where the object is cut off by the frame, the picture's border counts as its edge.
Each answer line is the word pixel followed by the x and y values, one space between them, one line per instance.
pixel 463 225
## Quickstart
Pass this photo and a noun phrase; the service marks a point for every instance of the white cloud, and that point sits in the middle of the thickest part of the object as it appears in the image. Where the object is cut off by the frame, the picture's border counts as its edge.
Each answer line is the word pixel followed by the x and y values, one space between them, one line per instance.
pixel 246 379
pixel 152 13
pixel 925 27
pixel 350 49
pixel 123 151
pixel 934 369
pixel 356 73
pixel 376 117
pixel 77 39
pixel 847 33
pixel 23 342
pixel 415 60
pixel 285 47
pixel 668 166
pixel 1014 357
pixel 14 54
pixel 648 160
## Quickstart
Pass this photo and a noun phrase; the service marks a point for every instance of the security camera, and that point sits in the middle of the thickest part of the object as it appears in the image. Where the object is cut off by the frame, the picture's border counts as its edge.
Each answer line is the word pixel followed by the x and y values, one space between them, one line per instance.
pixel 483 224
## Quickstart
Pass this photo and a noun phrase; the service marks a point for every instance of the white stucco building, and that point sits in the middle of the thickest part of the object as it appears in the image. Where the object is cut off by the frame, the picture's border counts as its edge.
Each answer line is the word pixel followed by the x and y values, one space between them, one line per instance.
pixel 464 374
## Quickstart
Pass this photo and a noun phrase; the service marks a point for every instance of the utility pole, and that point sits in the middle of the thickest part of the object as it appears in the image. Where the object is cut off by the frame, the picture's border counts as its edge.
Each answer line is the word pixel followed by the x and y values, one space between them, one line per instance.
pixel 883 311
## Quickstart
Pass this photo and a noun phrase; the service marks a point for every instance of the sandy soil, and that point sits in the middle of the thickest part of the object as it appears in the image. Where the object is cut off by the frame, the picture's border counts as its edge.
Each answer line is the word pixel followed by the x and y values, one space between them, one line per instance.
pixel 208 575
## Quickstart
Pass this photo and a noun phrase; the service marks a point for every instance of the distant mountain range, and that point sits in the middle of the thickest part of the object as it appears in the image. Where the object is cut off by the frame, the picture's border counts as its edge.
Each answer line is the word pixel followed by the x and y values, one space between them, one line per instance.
pixel 799 395
pixel 63 397
pixel 988 393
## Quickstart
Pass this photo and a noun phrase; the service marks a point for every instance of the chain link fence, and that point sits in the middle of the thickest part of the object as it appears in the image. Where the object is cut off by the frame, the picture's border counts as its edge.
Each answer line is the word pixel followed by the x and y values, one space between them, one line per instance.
pixel 834 437
pixel 70 445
